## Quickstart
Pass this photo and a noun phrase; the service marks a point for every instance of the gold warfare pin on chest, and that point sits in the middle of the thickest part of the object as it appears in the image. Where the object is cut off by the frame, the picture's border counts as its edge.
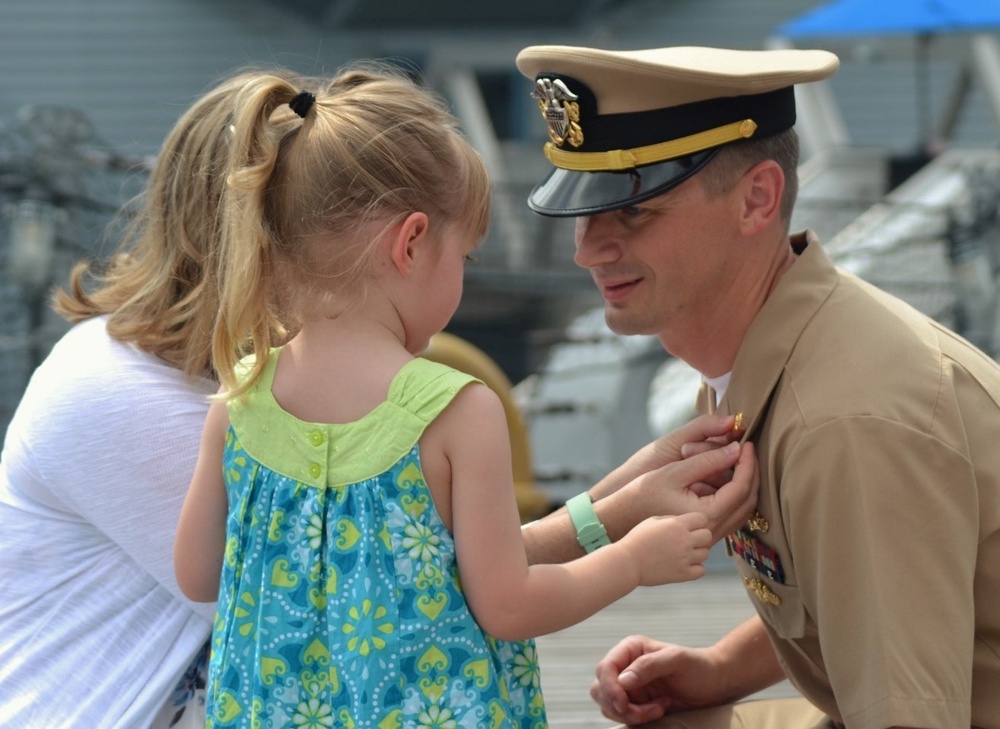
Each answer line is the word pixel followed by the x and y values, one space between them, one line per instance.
pixel 756 522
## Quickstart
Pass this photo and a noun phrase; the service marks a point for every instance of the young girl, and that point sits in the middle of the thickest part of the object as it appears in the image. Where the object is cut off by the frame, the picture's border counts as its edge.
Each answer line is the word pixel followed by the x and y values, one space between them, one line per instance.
pixel 357 499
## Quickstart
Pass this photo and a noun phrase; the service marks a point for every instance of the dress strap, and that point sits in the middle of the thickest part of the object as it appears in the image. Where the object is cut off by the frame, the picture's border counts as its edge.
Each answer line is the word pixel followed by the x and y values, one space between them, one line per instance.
pixel 424 388
pixel 266 378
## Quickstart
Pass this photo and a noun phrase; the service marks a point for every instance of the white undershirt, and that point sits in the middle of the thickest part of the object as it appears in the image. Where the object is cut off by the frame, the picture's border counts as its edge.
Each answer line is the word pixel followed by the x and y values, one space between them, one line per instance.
pixel 719 385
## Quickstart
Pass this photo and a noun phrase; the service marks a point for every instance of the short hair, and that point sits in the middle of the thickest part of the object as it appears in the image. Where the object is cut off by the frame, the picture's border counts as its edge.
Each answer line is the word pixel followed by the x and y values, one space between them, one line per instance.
pixel 734 160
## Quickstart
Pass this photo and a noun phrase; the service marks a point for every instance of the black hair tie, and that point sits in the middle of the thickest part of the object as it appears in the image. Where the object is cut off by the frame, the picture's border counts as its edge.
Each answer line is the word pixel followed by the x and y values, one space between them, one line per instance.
pixel 302 103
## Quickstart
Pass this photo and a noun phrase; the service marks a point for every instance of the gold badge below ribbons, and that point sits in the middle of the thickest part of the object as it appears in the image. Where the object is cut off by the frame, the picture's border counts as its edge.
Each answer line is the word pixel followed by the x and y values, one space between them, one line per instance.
pixel 761 590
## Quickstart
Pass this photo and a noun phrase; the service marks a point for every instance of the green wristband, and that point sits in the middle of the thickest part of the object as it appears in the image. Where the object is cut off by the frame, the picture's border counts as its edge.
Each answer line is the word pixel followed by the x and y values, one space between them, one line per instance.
pixel 590 533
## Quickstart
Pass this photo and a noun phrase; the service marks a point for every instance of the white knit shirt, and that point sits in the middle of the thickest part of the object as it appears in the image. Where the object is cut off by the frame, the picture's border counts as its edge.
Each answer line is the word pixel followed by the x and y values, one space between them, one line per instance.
pixel 94 632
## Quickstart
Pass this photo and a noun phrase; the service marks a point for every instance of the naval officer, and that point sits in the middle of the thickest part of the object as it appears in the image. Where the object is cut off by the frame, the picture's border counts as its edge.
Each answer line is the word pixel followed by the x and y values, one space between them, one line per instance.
pixel 873 555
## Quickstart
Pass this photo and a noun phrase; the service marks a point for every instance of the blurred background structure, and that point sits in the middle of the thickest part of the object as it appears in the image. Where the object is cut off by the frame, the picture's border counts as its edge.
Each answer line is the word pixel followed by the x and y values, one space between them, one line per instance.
pixel 899 175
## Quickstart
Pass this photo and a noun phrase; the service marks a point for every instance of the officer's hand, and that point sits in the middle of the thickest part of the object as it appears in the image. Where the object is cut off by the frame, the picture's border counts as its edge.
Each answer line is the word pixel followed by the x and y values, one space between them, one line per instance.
pixel 641 679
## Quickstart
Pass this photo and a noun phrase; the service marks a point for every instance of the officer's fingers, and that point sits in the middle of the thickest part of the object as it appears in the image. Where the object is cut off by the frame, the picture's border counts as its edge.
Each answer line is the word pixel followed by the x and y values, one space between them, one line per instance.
pixel 637 712
pixel 638 676
pixel 648 711
pixel 611 698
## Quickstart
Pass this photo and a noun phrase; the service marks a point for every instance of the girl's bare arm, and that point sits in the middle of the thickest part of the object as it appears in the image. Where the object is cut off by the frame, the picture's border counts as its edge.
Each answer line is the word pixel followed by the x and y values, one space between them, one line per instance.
pixel 200 543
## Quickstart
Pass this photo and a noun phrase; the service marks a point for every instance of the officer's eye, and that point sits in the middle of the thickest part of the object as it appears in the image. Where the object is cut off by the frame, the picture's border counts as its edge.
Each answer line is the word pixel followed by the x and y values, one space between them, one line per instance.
pixel 631 211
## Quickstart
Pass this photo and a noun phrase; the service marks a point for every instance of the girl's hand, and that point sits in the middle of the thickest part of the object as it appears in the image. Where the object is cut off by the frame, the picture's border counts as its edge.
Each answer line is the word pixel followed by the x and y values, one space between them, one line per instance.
pixel 669 548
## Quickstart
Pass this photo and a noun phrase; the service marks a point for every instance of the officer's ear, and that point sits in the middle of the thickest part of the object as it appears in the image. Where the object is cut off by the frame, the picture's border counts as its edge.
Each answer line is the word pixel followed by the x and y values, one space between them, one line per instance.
pixel 761 188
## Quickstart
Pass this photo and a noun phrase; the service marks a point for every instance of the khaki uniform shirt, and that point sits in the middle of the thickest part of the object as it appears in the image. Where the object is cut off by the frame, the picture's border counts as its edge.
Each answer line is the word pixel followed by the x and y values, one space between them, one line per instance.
pixel 874 555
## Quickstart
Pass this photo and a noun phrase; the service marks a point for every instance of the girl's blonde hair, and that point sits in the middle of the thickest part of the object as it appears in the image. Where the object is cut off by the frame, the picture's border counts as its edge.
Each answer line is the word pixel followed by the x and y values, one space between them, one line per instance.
pixel 160 290
pixel 307 205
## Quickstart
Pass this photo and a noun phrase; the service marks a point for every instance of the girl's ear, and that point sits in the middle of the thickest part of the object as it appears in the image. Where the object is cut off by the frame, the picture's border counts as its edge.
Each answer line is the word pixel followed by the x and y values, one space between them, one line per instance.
pixel 409 236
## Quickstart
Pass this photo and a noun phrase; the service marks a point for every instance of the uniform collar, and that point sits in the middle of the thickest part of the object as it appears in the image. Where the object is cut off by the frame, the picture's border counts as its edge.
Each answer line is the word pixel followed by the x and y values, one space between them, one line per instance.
pixel 771 338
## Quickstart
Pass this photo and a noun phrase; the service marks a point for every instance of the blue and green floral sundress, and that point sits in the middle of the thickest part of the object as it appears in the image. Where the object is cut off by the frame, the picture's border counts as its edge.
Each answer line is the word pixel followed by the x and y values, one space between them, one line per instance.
pixel 340 603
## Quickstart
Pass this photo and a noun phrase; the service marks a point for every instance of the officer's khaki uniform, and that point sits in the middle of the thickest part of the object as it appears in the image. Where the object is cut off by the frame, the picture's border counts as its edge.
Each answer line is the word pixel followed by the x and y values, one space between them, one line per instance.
pixel 874 558
pixel 874 555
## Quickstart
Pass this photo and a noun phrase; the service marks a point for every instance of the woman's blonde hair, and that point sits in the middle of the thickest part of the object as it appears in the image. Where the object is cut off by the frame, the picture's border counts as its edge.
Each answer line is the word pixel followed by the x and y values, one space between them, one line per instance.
pixel 307 205
pixel 159 291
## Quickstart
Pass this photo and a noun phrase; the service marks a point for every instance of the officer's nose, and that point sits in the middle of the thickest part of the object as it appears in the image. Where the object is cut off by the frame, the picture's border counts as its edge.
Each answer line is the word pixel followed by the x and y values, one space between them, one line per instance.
pixel 595 240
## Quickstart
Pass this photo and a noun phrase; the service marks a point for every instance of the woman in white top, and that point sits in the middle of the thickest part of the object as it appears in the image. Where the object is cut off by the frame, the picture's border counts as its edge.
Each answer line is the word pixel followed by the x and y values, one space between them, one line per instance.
pixel 94 632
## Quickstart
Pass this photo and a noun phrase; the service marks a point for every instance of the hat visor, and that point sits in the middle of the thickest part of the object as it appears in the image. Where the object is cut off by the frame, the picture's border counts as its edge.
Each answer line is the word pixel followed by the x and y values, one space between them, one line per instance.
pixel 569 193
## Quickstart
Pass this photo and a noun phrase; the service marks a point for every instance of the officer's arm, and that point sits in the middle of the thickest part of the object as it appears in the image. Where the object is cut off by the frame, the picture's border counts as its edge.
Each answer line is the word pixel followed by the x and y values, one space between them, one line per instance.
pixel 747 660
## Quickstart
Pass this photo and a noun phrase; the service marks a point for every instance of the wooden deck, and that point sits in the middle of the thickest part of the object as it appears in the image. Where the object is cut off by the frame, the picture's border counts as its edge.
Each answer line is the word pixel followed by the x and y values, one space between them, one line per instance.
pixel 693 613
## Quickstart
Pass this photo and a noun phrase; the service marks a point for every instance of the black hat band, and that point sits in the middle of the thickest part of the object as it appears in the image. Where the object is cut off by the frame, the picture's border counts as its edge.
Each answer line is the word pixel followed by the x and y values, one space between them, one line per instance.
pixel 613 142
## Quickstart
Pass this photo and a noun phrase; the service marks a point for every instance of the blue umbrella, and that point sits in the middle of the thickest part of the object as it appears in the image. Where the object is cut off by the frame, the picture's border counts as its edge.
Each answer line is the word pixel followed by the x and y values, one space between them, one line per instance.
pixel 888 17
pixel 920 18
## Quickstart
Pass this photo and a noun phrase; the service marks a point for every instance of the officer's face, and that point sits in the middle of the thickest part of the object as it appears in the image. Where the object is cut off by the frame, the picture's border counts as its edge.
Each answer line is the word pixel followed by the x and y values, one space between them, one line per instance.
pixel 662 265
